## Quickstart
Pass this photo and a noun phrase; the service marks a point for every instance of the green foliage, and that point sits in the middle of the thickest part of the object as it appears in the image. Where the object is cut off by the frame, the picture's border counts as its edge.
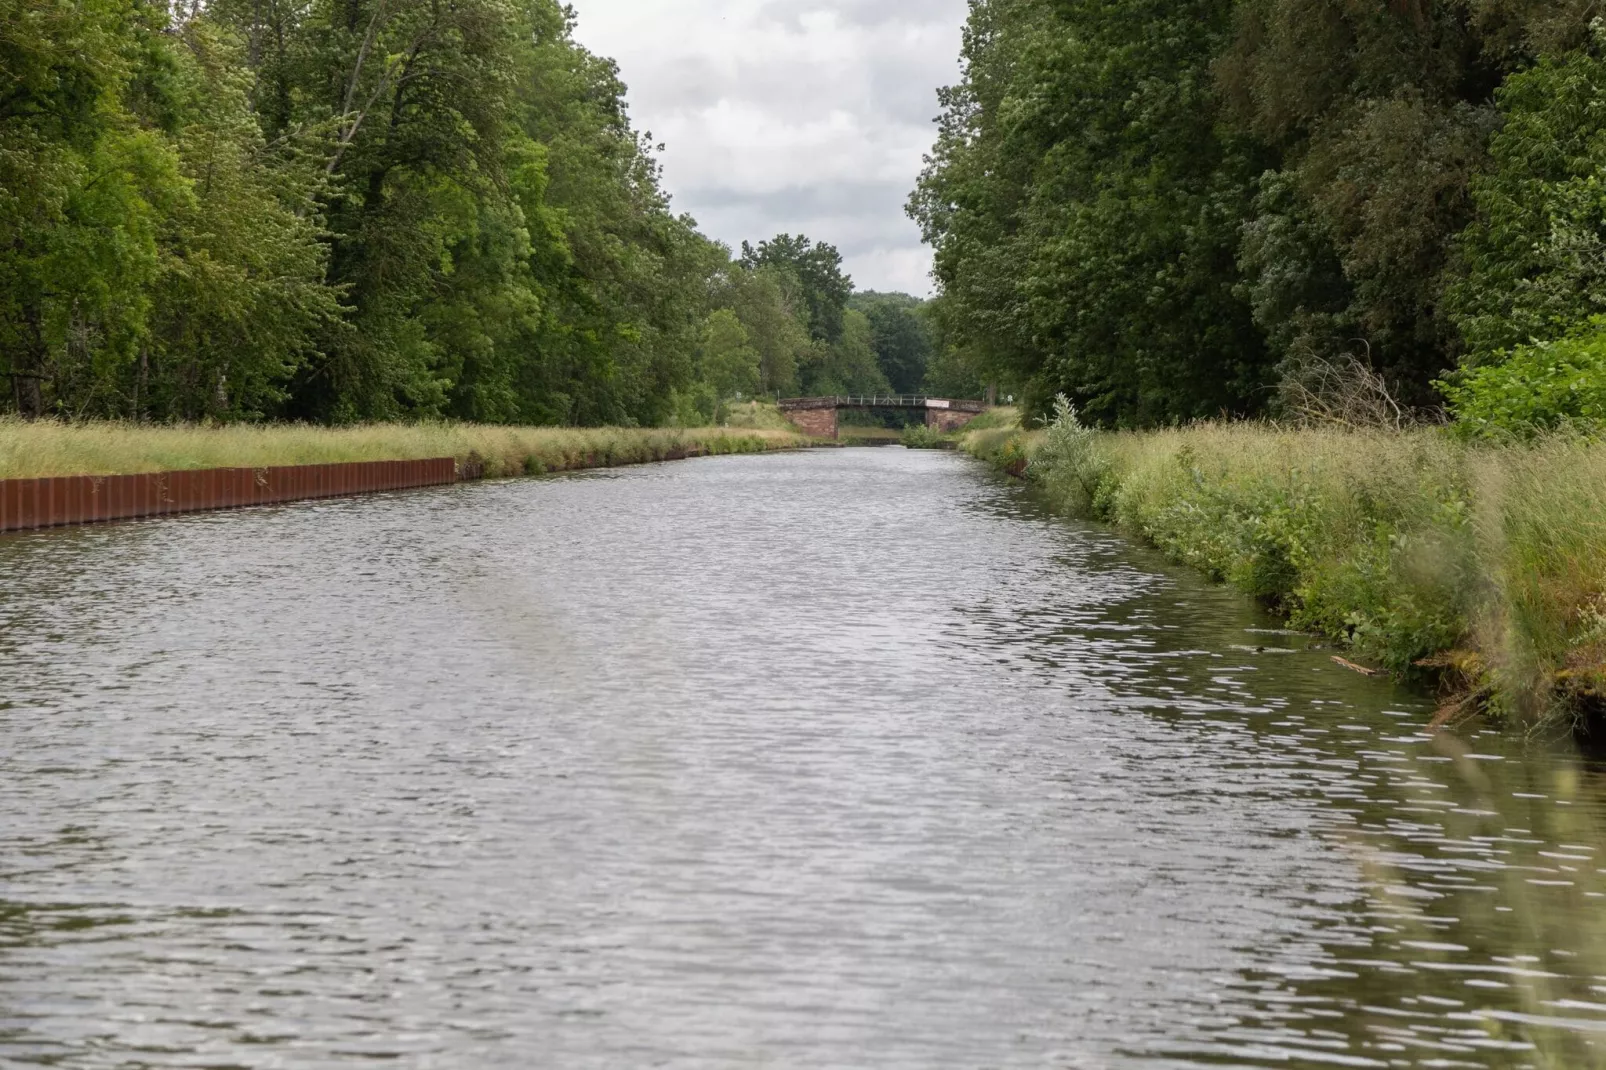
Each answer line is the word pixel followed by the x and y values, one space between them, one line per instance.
pixel 1085 211
pixel 1541 527
pixel 793 298
pixel 992 419
pixel 758 415
pixel 1165 211
pixel 365 210
pixel 814 274
pixel 900 336
pixel 730 366
pixel 1533 263
pixel 60 448
pixel 773 322
pixel 1161 209
pixel 1068 459
pixel 1413 549
pixel 1536 388
pixel 954 369
pixel 1364 537
pixel 921 437
pixel 1376 119
pixel 847 366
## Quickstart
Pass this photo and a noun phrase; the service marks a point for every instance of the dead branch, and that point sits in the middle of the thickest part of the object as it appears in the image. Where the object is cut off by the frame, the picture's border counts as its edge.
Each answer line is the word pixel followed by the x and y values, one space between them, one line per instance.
pixel 1343 392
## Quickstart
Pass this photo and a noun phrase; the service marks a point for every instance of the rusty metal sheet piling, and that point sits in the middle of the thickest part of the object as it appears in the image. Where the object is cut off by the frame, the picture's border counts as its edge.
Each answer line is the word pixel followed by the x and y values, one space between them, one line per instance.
pixel 28 504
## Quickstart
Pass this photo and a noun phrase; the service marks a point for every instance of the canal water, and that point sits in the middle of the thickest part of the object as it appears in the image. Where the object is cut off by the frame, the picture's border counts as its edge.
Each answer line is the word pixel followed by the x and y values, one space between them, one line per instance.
pixel 832 759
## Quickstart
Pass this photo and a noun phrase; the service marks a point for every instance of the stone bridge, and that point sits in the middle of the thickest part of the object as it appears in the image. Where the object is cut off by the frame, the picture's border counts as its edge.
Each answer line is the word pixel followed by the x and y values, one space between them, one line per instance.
pixel 817 416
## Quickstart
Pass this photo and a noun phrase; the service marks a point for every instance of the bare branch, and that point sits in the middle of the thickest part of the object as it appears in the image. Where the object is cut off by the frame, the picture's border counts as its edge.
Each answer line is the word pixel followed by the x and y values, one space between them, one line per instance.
pixel 1343 392
pixel 350 132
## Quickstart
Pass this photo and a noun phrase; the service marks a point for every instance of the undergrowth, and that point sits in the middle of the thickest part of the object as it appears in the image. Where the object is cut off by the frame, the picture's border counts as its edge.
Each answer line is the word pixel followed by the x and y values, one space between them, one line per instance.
pixel 921 437
pixel 1481 565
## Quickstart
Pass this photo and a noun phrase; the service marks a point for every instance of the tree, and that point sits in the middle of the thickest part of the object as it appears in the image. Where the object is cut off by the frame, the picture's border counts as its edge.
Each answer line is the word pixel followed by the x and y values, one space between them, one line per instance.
pixel 847 366
pixel 900 337
pixel 153 261
pixel 240 299
pixel 816 270
pixel 773 322
pixel 497 228
pixel 729 364
pixel 1086 209
pixel 1531 266
pixel 953 370
pixel 1163 209
pixel 1381 118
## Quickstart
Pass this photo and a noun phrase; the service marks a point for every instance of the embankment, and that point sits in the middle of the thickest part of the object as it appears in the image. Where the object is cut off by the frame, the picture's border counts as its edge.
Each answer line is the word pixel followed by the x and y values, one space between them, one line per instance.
pixel 1481 566
pixel 55 474
pixel 45 448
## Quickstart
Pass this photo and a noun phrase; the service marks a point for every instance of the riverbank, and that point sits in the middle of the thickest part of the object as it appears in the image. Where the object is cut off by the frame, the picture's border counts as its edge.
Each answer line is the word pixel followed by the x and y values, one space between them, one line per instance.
pixel 47 448
pixel 1481 566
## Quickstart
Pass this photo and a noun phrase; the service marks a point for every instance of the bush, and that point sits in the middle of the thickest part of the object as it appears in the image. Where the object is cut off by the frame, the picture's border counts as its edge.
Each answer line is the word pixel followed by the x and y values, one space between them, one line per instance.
pixel 921 437
pixel 1068 460
pixel 1538 387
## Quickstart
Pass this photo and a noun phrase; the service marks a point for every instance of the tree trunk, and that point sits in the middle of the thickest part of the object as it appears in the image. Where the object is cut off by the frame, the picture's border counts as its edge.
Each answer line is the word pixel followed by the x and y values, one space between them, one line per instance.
pixel 27 377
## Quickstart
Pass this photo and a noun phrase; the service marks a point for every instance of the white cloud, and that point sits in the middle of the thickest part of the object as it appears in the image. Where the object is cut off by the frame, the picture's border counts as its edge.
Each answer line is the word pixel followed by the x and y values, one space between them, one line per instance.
pixel 790 116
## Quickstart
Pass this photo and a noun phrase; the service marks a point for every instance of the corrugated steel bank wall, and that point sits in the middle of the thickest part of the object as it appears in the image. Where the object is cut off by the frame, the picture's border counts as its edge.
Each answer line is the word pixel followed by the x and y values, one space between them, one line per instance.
pixel 54 502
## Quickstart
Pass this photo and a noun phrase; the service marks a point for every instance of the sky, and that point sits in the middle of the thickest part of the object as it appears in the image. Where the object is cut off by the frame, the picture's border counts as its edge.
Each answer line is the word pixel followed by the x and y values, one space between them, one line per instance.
pixel 790 116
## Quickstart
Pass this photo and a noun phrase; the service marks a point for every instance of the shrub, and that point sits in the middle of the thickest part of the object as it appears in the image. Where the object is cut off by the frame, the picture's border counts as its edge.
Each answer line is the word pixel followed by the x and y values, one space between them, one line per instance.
pixel 921 437
pixel 1538 387
pixel 1068 460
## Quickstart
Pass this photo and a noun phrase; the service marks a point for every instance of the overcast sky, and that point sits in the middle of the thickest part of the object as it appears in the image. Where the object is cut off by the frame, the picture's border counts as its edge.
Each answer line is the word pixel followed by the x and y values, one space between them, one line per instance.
pixel 790 115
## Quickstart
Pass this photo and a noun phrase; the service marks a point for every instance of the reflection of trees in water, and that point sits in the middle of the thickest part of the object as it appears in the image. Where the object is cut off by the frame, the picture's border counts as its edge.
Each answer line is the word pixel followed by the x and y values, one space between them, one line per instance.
pixel 19 925
pixel 25 924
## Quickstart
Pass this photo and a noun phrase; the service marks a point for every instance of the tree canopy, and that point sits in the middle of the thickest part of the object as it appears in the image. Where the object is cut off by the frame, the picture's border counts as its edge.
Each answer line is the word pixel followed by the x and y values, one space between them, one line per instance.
pixel 351 210
pixel 1165 210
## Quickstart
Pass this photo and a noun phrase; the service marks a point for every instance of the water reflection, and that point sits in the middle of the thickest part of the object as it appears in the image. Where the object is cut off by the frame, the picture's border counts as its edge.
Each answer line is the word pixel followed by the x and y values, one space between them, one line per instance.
pixel 851 758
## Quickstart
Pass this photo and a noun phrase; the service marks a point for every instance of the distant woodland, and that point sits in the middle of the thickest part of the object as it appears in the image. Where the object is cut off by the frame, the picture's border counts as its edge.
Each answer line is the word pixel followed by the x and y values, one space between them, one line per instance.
pixel 357 210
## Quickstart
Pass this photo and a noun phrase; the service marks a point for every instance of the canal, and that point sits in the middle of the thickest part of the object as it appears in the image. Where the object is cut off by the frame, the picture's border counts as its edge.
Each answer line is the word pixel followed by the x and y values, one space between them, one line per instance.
pixel 837 758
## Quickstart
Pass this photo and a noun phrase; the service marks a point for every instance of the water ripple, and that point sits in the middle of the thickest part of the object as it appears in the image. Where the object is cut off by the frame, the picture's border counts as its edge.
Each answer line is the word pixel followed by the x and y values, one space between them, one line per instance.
pixel 834 759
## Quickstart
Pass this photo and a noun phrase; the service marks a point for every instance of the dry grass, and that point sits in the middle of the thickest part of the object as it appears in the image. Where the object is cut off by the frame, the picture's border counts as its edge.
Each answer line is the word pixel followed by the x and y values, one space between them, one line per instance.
pixel 60 449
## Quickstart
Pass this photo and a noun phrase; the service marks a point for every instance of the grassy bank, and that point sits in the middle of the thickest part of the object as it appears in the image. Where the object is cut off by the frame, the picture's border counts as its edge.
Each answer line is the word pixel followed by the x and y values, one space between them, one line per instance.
pixel 60 449
pixel 1482 566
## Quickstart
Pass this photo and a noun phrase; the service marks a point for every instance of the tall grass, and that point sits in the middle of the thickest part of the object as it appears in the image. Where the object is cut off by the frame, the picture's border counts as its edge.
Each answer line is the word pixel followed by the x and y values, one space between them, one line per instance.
pixel 59 449
pixel 1482 565
pixel 1006 416
pixel 757 415
pixel 1540 525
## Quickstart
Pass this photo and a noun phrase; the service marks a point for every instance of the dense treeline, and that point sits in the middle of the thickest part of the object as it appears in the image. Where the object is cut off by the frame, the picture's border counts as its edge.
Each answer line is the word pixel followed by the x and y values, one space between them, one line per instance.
pixel 1168 209
pixel 347 210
